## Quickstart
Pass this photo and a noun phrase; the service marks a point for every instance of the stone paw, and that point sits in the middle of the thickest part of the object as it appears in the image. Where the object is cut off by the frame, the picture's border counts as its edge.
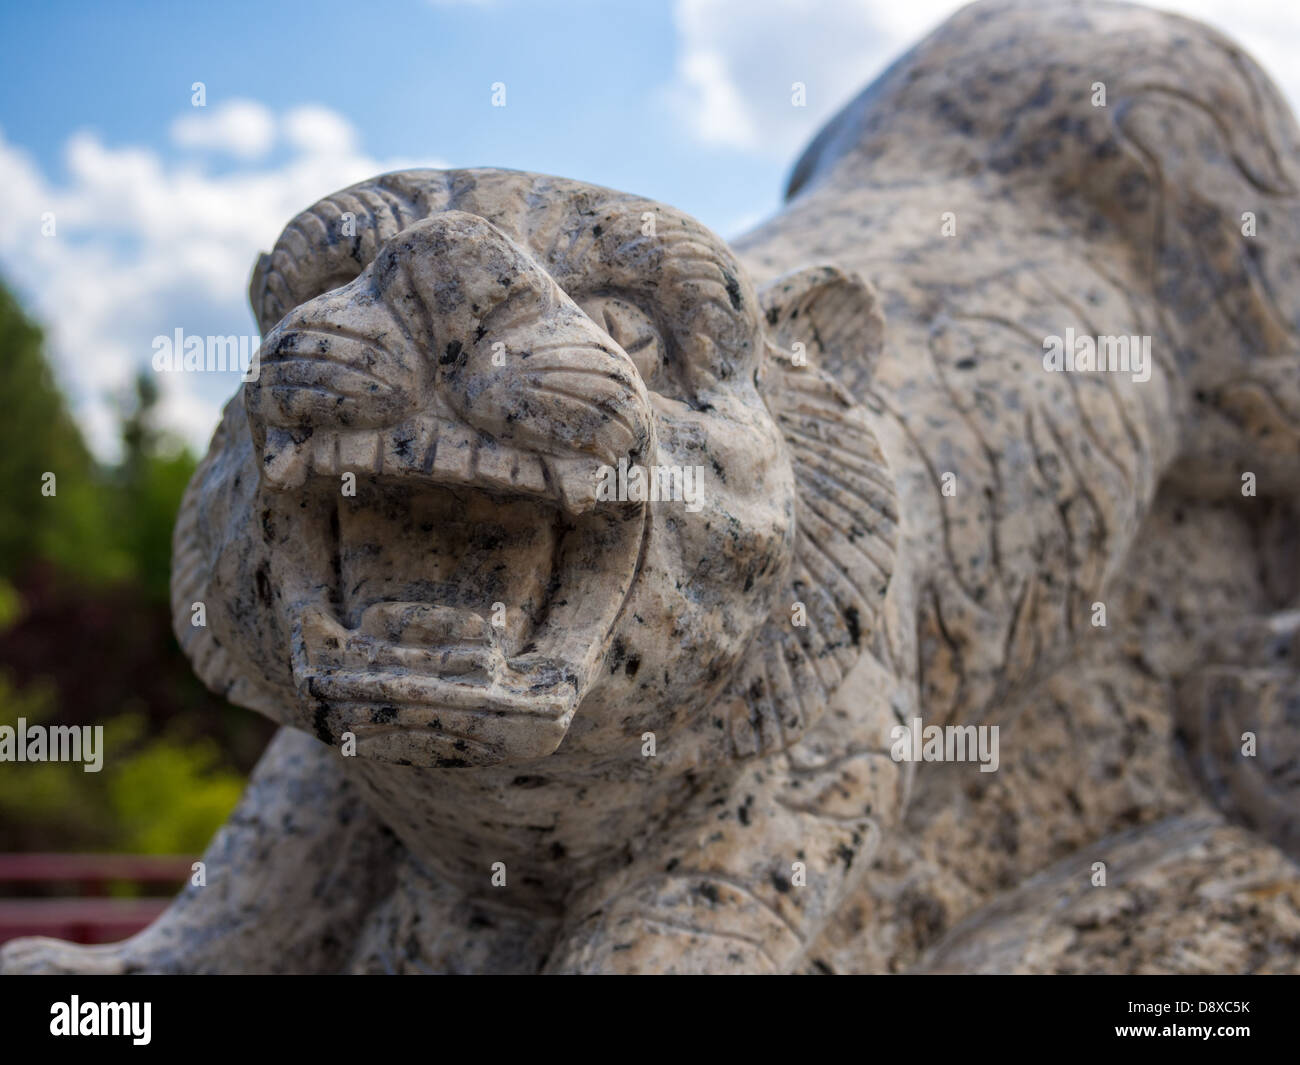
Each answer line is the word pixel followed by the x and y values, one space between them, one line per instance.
pixel 38 955
pixel 1238 724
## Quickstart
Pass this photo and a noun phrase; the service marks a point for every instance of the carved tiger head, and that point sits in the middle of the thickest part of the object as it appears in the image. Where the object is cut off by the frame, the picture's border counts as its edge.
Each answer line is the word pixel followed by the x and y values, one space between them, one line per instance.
pixel 527 463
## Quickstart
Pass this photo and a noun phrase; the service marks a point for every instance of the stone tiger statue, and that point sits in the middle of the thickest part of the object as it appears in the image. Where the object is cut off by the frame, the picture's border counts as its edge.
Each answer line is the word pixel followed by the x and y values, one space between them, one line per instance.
pixel 530 729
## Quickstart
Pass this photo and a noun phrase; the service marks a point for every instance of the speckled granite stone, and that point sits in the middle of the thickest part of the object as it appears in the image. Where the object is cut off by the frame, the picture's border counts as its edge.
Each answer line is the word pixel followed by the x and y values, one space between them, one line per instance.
pixel 530 727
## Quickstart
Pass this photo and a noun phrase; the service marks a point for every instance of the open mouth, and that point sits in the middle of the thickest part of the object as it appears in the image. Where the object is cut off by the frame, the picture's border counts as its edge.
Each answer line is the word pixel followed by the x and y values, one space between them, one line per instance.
pixel 454 611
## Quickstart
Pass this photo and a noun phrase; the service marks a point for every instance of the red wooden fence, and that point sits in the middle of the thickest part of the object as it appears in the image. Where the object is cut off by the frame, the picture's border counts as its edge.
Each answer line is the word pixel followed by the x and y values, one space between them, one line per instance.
pixel 81 912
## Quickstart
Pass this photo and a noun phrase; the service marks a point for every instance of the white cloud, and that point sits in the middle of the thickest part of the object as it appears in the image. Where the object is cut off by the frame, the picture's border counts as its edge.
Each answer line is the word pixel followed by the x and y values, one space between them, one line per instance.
pixel 737 59
pixel 242 128
pixel 721 115
pixel 152 240
pixel 145 245
pixel 319 131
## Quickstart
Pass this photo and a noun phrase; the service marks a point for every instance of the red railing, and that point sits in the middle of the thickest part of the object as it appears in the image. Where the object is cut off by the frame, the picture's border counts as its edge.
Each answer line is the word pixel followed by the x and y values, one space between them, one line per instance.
pixel 84 914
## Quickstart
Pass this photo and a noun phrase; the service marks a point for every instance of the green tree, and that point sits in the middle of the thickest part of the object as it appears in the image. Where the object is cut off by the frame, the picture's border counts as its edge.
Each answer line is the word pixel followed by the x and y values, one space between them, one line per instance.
pixel 101 524
pixel 147 487
pixel 104 537
pixel 38 436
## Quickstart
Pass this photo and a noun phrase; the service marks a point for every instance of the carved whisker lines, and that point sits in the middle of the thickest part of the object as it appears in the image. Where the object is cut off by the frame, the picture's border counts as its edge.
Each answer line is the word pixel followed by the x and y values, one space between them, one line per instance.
pixel 334 330
pixel 537 374
pixel 590 359
pixel 324 362
pixel 316 389
pixel 512 316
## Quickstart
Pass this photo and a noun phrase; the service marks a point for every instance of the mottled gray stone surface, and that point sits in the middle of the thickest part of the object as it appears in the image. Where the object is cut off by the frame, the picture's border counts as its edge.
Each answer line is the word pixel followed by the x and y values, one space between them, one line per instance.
pixel 903 513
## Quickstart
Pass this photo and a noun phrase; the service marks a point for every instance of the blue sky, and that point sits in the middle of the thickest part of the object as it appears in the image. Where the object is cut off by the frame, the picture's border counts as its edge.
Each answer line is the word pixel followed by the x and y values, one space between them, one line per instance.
pixel 587 84
pixel 160 207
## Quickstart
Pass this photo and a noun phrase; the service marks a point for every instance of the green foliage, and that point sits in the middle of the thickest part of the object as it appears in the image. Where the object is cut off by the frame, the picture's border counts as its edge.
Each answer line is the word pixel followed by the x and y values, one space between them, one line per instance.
pixel 42 791
pixel 104 538
pixel 146 490
pixel 11 604
pixel 38 436
pixel 101 525
pixel 77 535
pixel 169 798
pixel 159 796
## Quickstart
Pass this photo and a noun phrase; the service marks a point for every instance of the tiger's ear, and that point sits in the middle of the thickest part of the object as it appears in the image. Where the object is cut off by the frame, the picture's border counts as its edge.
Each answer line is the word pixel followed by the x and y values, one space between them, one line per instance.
pixel 845 508
pixel 824 317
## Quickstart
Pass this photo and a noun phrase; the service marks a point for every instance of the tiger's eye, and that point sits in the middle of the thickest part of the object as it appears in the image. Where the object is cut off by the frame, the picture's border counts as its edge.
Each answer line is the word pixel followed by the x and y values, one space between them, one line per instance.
pixel 632 330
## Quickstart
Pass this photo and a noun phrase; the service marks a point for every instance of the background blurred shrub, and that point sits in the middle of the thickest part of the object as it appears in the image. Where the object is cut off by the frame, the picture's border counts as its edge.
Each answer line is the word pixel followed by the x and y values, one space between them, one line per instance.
pixel 85 632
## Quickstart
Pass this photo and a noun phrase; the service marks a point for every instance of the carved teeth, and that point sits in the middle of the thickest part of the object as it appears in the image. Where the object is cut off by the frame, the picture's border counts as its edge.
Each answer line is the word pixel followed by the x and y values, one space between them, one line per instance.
pixel 359 451
pixel 575 481
pixel 417 636
pixel 284 461
pixel 504 467
pixel 443 451
pixel 453 455
pixel 321 629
